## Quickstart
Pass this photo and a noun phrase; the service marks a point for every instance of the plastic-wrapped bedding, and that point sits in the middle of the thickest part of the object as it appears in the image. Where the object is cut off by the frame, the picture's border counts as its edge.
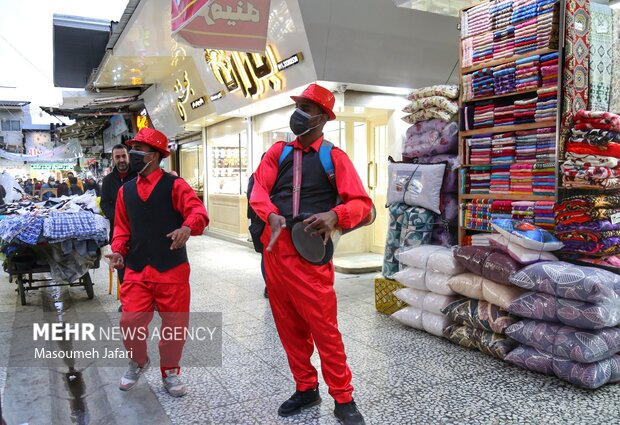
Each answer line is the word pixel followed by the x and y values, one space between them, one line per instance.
pixel 487 262
pixel 418 185
pixel 424 280
pixel 434 258
pixel 467 284
pixel 527 235
pixel 580 314
pixel 430 138
pixel 423 320
pixel 519 253
pixel 416 227
pixel 425 300
pixel 480 315
pixel 451 177
pixel 567 280
pixel 444 235
pixel 500 295
pixel 490 343
pixel 392 242
pixel 413 297
pixel 579 345
pixel 587 375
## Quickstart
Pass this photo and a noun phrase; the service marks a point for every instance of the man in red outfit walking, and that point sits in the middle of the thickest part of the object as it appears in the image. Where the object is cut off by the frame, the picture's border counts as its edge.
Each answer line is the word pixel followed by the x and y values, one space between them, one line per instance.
pixel 301 294
pixel 155 215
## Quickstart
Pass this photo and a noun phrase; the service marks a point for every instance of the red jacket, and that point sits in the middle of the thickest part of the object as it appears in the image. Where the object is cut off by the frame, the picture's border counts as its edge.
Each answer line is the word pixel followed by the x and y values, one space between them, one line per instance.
pixel 185 201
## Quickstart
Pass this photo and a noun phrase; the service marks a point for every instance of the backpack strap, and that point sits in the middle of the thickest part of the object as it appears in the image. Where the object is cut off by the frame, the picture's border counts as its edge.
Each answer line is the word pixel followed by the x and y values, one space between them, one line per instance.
pixel 325 155
pixel 286 150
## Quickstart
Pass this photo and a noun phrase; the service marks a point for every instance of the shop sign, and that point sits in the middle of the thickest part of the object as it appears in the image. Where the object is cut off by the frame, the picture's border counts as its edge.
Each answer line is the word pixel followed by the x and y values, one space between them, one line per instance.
pixel 293 60
pixel 216 96
pixel 142 120
pixel 184 90
pixel 198 103
pixel 250 73
pixel 239 25
pixel 53 166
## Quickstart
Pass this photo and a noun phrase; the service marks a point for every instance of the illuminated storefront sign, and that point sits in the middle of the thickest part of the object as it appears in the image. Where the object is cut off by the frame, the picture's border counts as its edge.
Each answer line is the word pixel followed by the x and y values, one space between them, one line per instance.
pixel 216 96
pixel 198 103
pixel 293 60
pixel 142 120
pixel 184 90
pixel 250 73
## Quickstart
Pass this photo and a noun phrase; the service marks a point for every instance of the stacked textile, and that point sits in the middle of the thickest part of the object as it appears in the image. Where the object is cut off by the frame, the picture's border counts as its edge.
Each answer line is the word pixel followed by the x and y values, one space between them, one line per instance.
pixel 523 211
pixel 523 10
pixel 525 110
pixel 500 14
pixel 503 148
pixel 569 329
pixel 500 178
pixel 526 36
pixel 426 273
pixel 504 78
pixel 483 82
pixel 483 48
pixel 405 222
pixel 476 20
pixel 503 42
pixel 526 146
pixel 436 102
pixel 547 104
pixel 587 225
pixel 593 152
pixel 467 84
pixel 479 180
pixel 479 149
pixel 478 214
pixel 528 73
pixel 484 114
pixel 504 115
pixel 547 25
pixel 545 144
pixel 549 69
pixel 543 180
pixel 521 179
pixel 544 216
pixel 501 209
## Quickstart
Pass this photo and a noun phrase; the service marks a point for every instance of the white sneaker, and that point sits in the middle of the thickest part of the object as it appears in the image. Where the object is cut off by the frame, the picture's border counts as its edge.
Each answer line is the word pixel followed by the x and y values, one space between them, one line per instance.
pixel 172 383
pixel 134 372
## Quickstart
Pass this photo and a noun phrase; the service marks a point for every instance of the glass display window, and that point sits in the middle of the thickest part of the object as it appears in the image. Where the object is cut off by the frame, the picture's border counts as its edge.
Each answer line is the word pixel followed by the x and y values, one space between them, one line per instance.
pixel 228 145
pixel 192 165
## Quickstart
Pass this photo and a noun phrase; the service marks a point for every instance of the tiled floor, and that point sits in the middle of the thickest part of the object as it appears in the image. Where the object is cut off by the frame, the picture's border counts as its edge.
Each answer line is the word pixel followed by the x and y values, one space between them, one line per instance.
pixel 401 376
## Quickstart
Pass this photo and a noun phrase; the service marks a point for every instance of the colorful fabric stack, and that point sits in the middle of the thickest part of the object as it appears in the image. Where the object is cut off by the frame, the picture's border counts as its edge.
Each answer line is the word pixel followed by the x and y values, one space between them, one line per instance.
pixel 587 225
pixel 483 82
pixel 478 214
pixel 525 36
pixel 543 180
pixel 547 104
pixel 526 146
pixel 523 10
pixel 476 20
pixel 504 43
pixel 479 149
pixel 500 179
pixel 467 52
pixel 523 210
pixel 544 216
pixel 547 25
pixel 525 110
pixel 504 115
pixel 503 148
pixel 483 48
pixel 528 73
pixel 545 144
pixel 484 114
pixel 593 152
pixel 501 209
pixel 429 103
pixel 479 180
pixel 549 69
pixel 467 84
pixel 500 14
pixel 504 78
pixel 521 179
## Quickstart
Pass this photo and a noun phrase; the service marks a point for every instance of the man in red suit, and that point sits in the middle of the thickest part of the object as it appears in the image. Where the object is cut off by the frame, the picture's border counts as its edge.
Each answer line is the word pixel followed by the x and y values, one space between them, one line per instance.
pixel 301 293
pixel 155 215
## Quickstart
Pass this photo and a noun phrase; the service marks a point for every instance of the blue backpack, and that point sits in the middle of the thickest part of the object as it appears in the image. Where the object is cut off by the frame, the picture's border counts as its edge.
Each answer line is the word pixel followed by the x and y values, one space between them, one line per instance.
pixel 257 225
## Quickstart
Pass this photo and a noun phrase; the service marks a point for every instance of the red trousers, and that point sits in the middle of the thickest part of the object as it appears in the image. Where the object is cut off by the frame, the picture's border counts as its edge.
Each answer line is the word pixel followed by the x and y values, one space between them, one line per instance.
pixel 303 303
pixel 139 300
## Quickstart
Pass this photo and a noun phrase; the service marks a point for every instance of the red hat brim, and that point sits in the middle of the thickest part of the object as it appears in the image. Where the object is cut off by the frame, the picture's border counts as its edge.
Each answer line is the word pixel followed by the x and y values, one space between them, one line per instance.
pixel 165 154
pixel 329 112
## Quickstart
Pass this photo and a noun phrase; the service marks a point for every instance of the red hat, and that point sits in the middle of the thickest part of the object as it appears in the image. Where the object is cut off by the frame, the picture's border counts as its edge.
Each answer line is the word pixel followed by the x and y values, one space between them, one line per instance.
pixel 321 96
pixel 155 139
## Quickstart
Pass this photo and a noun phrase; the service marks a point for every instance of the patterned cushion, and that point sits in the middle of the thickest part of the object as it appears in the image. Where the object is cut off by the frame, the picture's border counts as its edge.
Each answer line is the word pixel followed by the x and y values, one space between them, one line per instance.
pixel 480 315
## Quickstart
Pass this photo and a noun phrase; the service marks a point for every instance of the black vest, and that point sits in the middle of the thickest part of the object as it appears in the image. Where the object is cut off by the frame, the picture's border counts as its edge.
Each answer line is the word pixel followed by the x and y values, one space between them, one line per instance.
pixel 317 193
pixel 150 221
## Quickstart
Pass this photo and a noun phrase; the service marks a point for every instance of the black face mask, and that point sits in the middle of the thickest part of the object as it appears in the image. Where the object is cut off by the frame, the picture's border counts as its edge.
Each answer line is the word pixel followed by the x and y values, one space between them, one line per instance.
pixel 136 160
pixel 299 122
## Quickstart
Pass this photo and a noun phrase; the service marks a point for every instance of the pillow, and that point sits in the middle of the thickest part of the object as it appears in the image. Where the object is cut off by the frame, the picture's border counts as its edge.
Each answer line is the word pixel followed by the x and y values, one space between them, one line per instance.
pixel 434 324
pixel 412 278
pixel 434 303
pixel 519 253
pixel 451 177
pixel 392 241
pixel 527 235
pixel 409 316
pixel 500 295
pixel 467 284
pixel 487 342
pixel 587 375
pixel 418 185
pixel 428 114
pixel 434 258
pixel 449 91
pixel 413 297
pixel 570 281
pixel 438 283
pixel 480 315
pixel 439 102
pixel 565 341
pixel 430 142
pixel 580 314
pixel 487 262
pixel 416 228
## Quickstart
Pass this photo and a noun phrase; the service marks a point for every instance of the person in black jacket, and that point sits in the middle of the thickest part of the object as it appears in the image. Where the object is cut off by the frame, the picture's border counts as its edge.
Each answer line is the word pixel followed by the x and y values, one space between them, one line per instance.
pixel 121 173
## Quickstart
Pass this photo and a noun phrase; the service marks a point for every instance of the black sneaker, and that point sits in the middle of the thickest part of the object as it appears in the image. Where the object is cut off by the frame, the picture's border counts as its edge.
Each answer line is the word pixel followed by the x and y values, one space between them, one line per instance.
pixel 266 294
pixel 299 401
pixel 120 308
pixel 348 414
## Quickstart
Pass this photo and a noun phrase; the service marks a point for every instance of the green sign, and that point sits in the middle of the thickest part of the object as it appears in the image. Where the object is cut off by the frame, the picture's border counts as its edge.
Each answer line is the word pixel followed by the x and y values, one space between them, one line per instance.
pixel 53 166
